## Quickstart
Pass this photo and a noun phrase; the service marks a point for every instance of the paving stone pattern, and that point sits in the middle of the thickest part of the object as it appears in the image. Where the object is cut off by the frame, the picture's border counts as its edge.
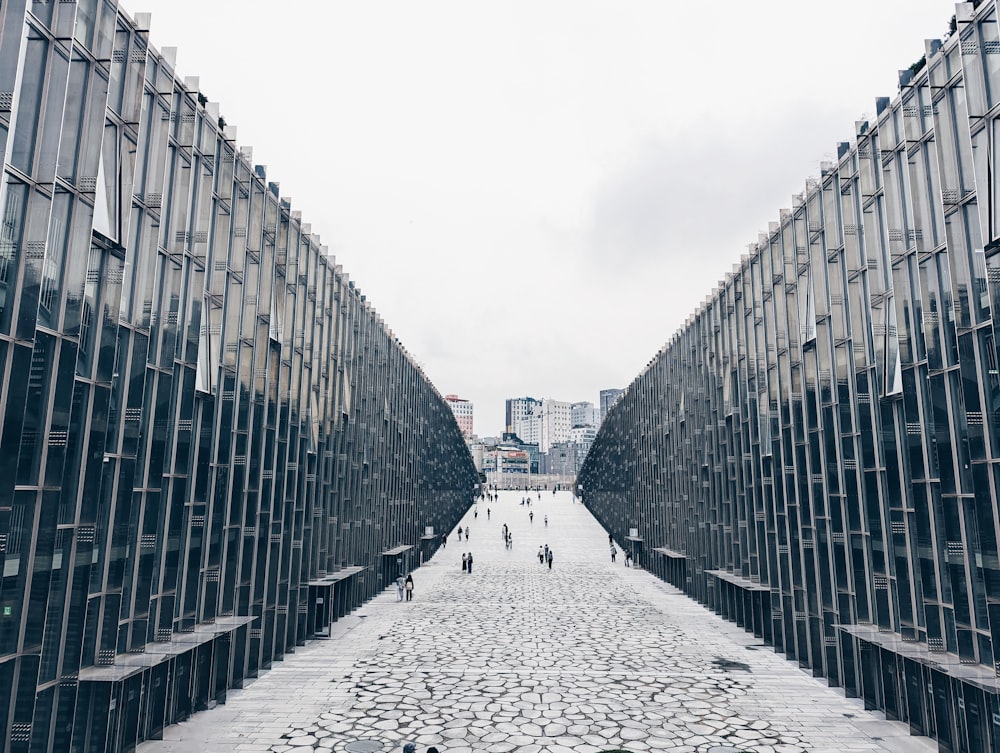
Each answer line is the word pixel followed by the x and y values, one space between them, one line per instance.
pixel 586 656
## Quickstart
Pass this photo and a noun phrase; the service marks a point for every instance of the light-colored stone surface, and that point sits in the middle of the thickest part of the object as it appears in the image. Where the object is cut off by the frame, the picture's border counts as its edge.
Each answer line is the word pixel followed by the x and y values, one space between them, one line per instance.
pixel 517 657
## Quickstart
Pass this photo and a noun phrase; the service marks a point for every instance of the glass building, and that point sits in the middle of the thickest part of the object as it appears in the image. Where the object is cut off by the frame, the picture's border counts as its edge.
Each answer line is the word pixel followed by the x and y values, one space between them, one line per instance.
pixel 816 453
pixel 211 446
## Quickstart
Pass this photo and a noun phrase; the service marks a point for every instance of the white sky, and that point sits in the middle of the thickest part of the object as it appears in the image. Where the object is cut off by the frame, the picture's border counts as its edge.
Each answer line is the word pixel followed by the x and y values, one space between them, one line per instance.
pixel 535 194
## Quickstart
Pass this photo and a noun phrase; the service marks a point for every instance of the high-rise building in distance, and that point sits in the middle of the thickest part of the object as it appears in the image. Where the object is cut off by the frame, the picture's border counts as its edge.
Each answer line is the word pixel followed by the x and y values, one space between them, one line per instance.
pixel 463 413
pixel 608 398
pixel 521 418
pixel 584 414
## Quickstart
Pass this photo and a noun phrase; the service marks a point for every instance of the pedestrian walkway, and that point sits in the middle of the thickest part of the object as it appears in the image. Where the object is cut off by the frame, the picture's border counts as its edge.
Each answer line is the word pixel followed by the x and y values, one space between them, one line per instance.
pixel 586 656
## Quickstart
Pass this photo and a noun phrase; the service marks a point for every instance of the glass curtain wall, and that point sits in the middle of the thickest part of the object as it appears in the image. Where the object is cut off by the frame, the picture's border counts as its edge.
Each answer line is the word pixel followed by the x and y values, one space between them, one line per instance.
pixel 816 454
pixel 209 440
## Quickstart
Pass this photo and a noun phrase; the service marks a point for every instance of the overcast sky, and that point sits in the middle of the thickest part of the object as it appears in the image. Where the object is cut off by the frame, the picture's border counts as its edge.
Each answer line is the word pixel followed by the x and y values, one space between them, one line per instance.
pixel 536 194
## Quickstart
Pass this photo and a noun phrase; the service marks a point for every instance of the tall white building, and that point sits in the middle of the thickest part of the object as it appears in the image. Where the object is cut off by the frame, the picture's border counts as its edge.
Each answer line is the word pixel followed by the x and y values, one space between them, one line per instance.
pixel 463 413
pixel 541 422
pixel 522 419
pixel 584 414
pixel 556 419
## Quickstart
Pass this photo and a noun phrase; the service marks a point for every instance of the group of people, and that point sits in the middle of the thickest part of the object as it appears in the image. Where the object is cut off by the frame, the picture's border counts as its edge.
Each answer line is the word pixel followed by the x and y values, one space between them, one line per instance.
pixel 545 555
pixel 404 586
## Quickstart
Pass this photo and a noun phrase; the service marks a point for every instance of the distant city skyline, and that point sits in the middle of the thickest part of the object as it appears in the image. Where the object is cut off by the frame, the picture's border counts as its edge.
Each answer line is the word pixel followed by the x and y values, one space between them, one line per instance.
pixel 520 190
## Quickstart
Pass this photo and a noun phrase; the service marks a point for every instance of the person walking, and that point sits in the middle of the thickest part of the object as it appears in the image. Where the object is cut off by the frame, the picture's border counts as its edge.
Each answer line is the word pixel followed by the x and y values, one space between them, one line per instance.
pixel 487 513
pixel 460 533
pixel 546 551
pixel 444 541
pixel 475 513
pixel 399 587
pixel 550 559
pixel 470 563
pixel 409 586
pixel 546 521
pixel 541 556
pixel 614 553
pixel 531 516
pixel 466 533
pixel 510 541
pixel 465 562
pixel 628 558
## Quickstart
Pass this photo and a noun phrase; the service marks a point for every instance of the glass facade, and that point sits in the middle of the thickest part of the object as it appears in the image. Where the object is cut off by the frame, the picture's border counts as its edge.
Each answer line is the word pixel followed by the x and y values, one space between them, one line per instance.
pixel 816 453
pixel 211 446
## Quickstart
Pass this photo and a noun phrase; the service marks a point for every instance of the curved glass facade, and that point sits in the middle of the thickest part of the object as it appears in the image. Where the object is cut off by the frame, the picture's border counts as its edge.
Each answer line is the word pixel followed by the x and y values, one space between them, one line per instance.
pixel 211 446
pixel 816 453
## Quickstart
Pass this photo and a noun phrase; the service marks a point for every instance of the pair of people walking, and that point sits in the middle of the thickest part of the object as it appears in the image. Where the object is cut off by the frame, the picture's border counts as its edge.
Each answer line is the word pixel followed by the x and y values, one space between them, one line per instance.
pixel 614 553
pixel 404 585
pixel 467 562
pixel 543 554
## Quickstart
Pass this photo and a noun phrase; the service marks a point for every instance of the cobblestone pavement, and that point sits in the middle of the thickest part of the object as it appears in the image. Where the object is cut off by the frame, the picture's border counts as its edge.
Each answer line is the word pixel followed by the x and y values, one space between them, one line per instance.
pixel 586 656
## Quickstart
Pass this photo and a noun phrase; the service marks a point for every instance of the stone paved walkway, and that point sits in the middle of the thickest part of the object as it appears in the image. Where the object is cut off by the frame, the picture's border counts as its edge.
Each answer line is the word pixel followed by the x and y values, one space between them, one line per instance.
pixel 585 657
